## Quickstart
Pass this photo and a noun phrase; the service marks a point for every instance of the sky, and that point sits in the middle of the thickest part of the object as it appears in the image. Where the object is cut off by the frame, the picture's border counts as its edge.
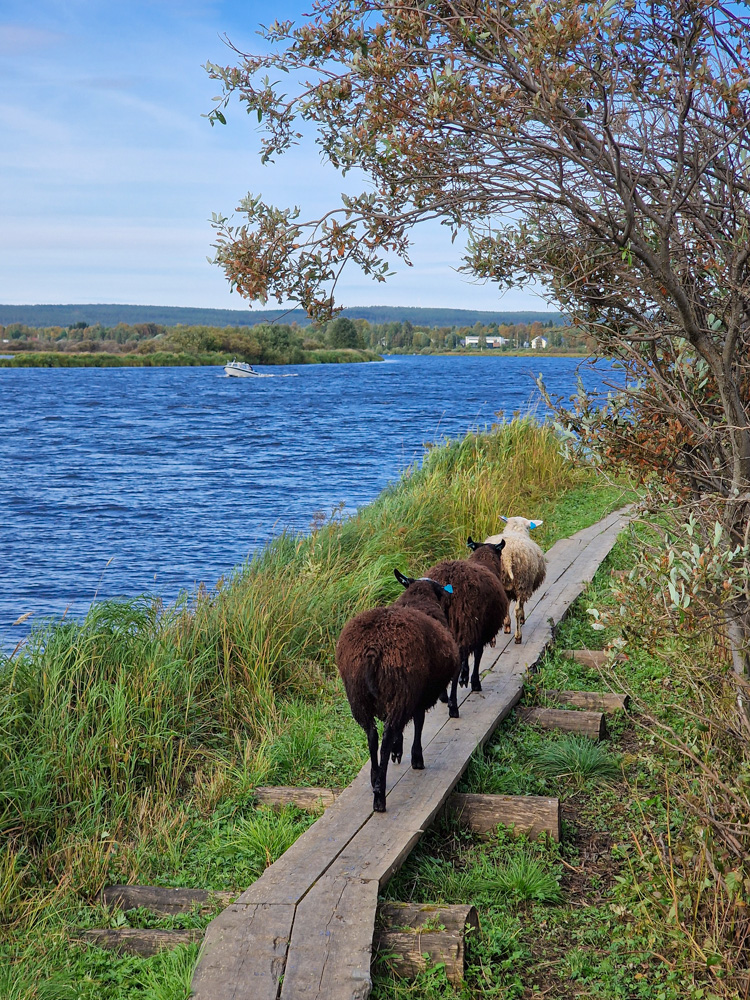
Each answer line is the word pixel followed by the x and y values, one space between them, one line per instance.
pixel 109 173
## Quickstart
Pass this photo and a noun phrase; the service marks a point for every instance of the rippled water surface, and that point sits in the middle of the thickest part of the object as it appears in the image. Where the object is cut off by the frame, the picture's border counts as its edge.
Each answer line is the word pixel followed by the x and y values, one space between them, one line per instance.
pixel 120 481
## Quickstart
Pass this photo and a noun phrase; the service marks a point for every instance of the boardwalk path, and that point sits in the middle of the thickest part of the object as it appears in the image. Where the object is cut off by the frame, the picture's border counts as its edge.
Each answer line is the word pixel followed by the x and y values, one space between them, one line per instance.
pixel 305 928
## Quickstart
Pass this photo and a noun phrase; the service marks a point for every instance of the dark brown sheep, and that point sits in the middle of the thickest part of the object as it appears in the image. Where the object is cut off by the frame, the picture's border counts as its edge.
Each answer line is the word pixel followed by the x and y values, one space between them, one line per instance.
pixel 394 663
pixel 476 611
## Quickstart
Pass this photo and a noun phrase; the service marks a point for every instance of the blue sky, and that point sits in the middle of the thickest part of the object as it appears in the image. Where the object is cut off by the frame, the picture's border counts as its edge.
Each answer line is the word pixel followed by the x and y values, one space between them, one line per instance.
pixel 109 174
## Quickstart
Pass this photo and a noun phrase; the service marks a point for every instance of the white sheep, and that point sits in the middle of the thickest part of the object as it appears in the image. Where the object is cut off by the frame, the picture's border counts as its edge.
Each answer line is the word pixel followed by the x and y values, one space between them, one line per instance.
pixel 523 563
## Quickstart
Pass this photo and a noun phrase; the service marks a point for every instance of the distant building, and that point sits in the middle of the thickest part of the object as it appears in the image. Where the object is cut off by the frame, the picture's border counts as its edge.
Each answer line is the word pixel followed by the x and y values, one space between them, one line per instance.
pixel 538 343
pixel 491 341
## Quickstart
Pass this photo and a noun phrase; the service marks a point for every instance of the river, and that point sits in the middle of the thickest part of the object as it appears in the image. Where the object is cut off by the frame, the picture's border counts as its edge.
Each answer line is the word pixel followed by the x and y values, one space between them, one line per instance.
pixel 122 481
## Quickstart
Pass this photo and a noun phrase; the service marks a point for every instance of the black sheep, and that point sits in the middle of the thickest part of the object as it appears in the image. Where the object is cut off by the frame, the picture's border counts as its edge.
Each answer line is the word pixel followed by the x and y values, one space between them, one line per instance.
pixel 394 663
pixel 477 610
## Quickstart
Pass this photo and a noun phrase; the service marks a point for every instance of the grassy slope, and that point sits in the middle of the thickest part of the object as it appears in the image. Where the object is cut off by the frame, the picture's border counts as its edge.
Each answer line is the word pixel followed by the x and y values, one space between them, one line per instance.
pixel 130 744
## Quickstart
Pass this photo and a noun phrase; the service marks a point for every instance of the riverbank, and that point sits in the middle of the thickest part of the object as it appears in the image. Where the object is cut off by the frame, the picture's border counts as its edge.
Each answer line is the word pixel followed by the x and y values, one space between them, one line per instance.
pixel 131 741
pixel 160 359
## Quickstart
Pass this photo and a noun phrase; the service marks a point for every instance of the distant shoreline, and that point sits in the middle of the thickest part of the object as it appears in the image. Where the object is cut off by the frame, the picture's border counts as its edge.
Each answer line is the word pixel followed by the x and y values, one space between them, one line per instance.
pixel 164 359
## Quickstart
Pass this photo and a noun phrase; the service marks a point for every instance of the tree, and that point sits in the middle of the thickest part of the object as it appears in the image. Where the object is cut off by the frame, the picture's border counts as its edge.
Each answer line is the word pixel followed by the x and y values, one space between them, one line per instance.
pixel 342 332
pixel 600 149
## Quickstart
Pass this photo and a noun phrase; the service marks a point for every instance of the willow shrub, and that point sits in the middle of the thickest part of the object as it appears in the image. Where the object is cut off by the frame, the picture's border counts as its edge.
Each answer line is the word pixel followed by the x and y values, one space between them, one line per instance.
pixel 139 703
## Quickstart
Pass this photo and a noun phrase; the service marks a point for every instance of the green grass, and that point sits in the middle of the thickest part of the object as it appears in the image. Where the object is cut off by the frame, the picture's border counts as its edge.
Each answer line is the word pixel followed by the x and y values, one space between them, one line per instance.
pixel 130 743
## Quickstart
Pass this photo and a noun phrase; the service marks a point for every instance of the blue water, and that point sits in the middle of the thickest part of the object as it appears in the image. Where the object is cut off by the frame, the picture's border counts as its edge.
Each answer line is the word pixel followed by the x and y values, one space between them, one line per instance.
pixel 121 481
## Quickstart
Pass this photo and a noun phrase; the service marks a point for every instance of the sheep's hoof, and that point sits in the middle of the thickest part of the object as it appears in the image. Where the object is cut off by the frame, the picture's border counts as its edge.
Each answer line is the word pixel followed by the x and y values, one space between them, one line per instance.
pixel 506 629
pixel 476 685
pixel 518 640
pixel 417 764
pixel 463 681
pixel 378 803
pixel 493 642
pixel 396 757
pixel 453 711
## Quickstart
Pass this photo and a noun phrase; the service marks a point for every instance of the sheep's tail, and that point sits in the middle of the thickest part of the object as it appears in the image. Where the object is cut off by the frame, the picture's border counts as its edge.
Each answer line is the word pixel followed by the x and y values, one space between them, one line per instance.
pixel 372 662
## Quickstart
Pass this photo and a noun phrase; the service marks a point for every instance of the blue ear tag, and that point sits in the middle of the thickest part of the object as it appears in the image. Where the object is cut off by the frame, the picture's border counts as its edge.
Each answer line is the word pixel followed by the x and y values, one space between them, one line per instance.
pixel 448 588
pixel 532 525
pixel 503 518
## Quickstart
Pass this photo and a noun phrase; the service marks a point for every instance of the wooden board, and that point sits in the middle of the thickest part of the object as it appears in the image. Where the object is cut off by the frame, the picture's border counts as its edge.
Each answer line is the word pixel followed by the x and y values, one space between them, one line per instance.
pixel 594 701
pixel 244 953
pixel 589 724
pixel 532 815
pixel 329 878
pixel 332 941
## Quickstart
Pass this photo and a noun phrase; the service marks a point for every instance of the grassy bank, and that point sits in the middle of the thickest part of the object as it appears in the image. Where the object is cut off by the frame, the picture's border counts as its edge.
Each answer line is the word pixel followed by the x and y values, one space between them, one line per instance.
pixel 163 359
pixel 130 743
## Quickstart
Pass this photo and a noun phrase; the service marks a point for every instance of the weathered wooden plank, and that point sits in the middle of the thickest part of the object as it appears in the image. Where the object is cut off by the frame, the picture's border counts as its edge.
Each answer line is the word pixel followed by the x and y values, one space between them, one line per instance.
pixel 244 953
pixel 532 815
pixel 309 799
pixel 163 900
pixel 139 941
pixel 332 938
pixel 593 657
pixel 595 701
pixel 589 724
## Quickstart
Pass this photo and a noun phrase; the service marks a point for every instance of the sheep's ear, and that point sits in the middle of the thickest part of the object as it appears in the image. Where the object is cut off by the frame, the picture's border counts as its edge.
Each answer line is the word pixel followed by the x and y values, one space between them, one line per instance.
pixel 499 546
pixel 535 524
pixel 472 544
pixel 403 580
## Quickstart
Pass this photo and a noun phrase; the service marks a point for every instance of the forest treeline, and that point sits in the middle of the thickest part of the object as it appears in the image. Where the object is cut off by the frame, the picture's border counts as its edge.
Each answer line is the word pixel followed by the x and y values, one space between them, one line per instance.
pixel 272 343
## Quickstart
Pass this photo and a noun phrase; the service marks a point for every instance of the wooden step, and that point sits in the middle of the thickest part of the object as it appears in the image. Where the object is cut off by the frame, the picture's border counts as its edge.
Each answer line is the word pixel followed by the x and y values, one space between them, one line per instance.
pixel 593 657
pixel 594 701
pixel 589 724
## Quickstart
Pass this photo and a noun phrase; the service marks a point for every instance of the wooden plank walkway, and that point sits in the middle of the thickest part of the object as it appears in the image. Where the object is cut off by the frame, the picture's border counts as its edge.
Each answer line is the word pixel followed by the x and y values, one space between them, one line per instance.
pixel 304 930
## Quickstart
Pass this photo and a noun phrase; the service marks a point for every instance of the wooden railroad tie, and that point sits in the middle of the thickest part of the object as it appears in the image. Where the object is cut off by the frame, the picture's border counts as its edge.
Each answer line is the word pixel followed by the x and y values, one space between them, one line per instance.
pixel 593 657
pixel 589 724
pixel 408 936
pixel 594 701
pixel 532 815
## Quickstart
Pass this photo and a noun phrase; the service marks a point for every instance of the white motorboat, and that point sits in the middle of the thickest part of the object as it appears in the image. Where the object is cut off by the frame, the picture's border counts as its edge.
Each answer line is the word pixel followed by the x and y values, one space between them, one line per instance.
pixel 242 369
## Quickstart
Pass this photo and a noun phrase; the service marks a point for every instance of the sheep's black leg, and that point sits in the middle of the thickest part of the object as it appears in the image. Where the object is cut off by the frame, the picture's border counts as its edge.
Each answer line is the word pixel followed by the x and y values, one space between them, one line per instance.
pixel 417 760
pixel 398 748
pixel 463 677
pixel 378 802
pixel 476 684
pixel 443 697
pixel 372 743
pixel 453 699
pixel 520 619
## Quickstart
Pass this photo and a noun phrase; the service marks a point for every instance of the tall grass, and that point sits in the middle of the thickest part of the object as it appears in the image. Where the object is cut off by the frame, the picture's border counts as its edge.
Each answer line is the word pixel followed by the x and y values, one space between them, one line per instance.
pixel 104 721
